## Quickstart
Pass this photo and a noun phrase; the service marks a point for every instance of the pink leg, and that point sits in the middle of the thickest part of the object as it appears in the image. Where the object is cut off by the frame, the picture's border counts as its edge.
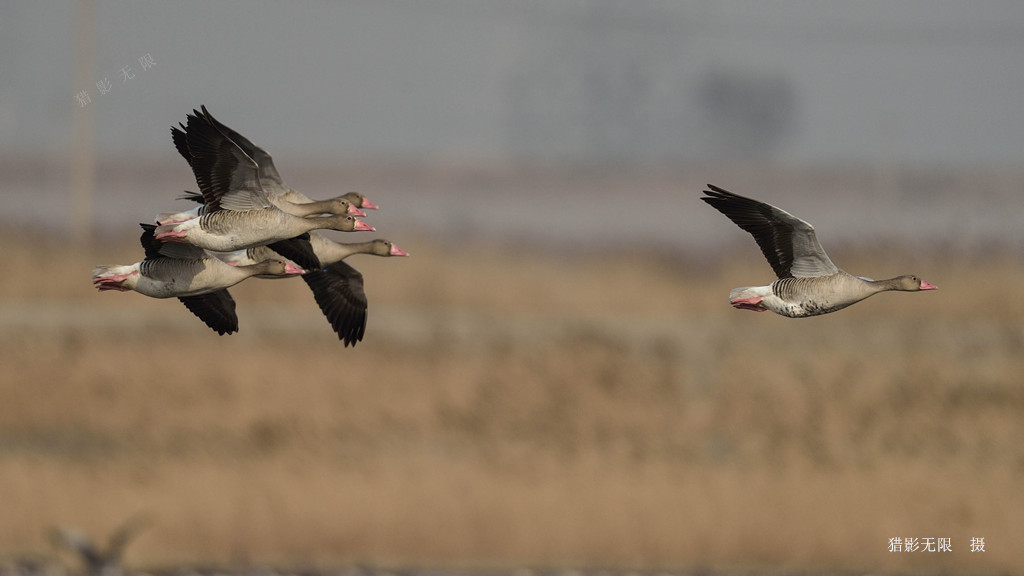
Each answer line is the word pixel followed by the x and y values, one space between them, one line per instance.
pixel 115 278
pixel 752 303
pixel 171 236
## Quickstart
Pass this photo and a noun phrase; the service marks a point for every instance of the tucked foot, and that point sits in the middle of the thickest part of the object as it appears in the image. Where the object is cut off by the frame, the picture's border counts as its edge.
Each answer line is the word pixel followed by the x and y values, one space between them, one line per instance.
pixel 171 236
pixel 751 303
pixel 113 278
pixel 103 287
pixel 112 283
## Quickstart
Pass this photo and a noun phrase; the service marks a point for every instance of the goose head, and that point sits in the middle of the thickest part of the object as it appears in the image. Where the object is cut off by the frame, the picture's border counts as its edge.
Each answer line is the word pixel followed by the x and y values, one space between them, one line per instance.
pixel 911 283
pixel 360 201
pixel 279 267
pixel 381 247
pixel 345 223
pixel 341 205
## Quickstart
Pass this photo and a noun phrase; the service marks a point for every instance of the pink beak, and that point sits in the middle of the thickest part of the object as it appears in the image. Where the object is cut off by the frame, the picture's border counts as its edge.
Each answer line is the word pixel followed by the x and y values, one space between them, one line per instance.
pixel 290 268
pixel 396 251
pixel 928 286
pixel 355 211
pixel 369 205
pixel 360 225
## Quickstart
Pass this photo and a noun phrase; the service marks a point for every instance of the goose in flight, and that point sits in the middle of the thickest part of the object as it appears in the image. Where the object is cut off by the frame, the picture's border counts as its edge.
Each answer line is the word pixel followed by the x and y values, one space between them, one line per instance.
pixel 279 193
pixel 808 284
pixel 239 214
pixel 196 278
pixel 337 287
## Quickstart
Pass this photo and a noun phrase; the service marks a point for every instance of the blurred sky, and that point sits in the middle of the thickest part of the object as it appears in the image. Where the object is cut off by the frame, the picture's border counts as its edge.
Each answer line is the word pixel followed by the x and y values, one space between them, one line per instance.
pixel 789 81
pixel 921 99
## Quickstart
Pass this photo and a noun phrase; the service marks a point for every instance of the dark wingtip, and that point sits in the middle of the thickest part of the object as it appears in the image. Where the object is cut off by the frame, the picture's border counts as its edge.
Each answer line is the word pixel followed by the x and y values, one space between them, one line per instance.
pixel 716 192
pixel 209 118
pixel 150 245
pixel 298 250
pixel 338 291
pixel 215 309
pixel 193 196
pixel 180 140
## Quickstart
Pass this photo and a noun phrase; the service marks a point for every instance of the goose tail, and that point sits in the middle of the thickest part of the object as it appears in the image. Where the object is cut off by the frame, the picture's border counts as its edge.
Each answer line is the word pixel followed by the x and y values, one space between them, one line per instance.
pixel 749 297
pixel 112 277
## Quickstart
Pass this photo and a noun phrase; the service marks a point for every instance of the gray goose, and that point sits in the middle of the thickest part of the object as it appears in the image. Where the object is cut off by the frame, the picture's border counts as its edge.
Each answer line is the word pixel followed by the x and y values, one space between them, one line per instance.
pixel 238 213
pixel 279 193
pixel 808 284
pixel 200 281
pixel 339 205
pixel 326 250
pixel 337 287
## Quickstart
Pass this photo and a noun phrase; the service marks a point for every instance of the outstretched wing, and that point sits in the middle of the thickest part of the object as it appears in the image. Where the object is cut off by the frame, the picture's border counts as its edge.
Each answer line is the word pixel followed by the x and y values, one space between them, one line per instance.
pixel 787 242
pixel 215 309
pixel 227 177
pixel 298 250
pixel 269 176
pixel 193 196
pixel 180 140
pixel 338 290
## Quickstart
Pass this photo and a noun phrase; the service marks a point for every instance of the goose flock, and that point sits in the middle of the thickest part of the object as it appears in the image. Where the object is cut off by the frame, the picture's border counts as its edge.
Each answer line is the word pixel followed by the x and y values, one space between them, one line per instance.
pixel 249 223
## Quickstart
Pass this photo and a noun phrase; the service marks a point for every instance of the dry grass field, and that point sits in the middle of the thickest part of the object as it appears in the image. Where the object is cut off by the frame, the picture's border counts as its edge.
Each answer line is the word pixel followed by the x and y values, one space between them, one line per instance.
pixel 515 409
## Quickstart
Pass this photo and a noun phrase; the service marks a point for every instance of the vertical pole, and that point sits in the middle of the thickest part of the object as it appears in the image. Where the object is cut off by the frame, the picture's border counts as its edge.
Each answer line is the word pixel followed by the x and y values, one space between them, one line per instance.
pixel 83 154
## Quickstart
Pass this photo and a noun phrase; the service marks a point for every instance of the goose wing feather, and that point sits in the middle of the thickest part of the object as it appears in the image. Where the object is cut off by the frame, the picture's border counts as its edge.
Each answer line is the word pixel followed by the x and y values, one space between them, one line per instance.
pixel 298 250
pixel 338 290
pixel 216 310
pixel 228 178
pixel 193 196
pixel 787 242
pixel 180 139
pixel 267 171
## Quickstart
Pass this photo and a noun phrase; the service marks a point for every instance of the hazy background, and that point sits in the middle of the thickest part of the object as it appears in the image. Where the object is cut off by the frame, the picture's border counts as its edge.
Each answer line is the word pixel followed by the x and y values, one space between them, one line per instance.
pixel 792 82
pixel 554 378
pixel 886 89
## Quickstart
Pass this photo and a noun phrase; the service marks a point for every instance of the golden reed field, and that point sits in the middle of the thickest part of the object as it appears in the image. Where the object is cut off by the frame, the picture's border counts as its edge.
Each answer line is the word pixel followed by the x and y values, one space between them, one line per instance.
pixel 510 408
